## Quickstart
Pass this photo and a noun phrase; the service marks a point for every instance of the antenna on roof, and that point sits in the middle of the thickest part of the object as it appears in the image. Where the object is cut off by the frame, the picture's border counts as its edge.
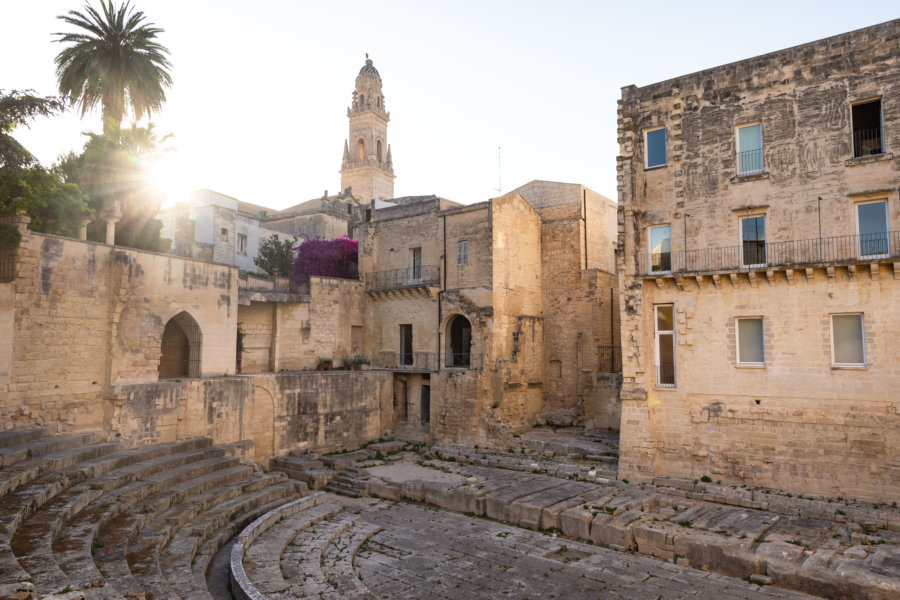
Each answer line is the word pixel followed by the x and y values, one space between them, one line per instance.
pixel 499 187
pixel 367 55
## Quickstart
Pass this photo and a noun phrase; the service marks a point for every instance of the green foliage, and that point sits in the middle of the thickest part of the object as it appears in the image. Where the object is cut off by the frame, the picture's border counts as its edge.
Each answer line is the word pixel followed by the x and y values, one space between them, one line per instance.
pixel 18 108
pixel 358 359
pixel 114 171
pixel 276 255
pixel 54 207
pixel 113 59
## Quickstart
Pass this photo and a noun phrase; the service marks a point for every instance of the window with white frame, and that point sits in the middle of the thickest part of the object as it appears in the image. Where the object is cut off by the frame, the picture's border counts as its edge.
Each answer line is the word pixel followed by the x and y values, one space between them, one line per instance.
pixel 462 253
pixel 751 349
pixel 661 249
pixel 749 149
pixel 655 144
pixel 872 225
pixel 848 340
pixel 753 241
pixel 415 264
pixel 242 244
pixel 665 345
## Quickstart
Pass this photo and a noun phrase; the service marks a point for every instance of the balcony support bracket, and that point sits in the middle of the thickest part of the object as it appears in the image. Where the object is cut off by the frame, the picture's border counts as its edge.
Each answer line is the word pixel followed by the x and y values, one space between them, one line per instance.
pixel 829 272
pixel 873 271
pixel 897 270
pixel 716 280
pixel 770 275
pixel 810 275
pixel 851 272
pixel 789 273
pixel 752 277
pixel 734 280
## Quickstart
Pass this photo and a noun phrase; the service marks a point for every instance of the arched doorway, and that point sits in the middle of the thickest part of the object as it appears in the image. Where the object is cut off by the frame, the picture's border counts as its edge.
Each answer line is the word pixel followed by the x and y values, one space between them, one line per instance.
pixel 180 348
pixel 459 342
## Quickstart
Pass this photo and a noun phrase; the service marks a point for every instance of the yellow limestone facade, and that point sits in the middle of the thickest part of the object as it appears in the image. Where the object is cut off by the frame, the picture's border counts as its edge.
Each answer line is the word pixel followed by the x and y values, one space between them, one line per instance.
pixel 759 268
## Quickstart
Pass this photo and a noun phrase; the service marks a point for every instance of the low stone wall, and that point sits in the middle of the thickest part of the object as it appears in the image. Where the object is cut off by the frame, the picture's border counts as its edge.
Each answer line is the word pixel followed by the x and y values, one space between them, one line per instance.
pixel 277 411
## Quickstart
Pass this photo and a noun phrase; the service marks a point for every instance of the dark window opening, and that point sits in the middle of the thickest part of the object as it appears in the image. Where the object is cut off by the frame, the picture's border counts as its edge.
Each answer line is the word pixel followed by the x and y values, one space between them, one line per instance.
pixel 425 407
pixel 406 345
pixel 459 342
pixel 867 130
pixel 180 348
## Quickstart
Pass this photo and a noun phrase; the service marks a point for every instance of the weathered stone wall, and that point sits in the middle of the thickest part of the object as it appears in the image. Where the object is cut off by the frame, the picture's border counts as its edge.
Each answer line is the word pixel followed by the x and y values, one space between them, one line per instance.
pixel 278 411
pixel 87 316
pixel 256 323
pixel 797 423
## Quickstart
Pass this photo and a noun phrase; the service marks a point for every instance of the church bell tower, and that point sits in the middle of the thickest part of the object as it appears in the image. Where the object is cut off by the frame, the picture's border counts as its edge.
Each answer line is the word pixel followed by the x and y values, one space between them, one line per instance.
pixel 367 167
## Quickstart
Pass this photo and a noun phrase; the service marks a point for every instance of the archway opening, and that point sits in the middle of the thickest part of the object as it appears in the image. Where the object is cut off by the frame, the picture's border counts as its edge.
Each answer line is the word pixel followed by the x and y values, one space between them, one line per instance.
pixel 180 348
pixel 459 342
pixel 360 149
pixel 378 151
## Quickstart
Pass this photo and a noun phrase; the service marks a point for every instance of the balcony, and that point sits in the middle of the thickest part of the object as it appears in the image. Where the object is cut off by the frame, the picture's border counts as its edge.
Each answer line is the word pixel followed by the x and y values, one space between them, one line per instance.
pixel 412 282
pixel 750 162
pixel 406 361
pixel 868 142
pixel 270 289
pixel 768 256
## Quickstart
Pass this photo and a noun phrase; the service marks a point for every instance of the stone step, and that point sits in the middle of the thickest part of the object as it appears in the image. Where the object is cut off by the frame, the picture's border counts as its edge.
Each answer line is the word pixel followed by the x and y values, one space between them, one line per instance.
pixel 346 460
pixel 34 538
pixel 296 463
pixel 15 437
pixel 344 490
pixel 18 505
pixel 155 493
pixel 176 560
pixel 302 560
pixel 262 560
pixel 337 561
pixel 38 447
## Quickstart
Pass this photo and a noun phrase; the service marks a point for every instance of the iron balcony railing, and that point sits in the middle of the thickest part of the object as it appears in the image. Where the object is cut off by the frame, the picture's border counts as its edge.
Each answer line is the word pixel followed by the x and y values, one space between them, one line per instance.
pixel 397 278
pixel 7 266
pixel 285 285
pixel 610 359
pixel 759 254
pixel 750 162
pixel 414 361
pixel 463 360
pixel 868 142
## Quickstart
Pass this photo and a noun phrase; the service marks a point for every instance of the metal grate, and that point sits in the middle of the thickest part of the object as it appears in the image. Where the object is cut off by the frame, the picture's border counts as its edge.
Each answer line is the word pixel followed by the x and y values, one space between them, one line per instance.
pixel 7 266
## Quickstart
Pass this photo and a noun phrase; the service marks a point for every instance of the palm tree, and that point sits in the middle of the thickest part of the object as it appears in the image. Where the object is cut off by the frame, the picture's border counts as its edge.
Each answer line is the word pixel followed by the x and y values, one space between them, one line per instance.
pixel 115 61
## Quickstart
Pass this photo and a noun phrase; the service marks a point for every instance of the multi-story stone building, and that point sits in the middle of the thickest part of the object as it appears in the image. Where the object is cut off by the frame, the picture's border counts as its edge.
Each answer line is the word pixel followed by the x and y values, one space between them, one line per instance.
pixel 759 265
pixel 496 315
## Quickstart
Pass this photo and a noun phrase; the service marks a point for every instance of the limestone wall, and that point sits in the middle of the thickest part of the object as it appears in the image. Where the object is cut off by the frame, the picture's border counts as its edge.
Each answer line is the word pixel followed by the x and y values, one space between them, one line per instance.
pixel 87 316
pixel 279 412
pixel 795 422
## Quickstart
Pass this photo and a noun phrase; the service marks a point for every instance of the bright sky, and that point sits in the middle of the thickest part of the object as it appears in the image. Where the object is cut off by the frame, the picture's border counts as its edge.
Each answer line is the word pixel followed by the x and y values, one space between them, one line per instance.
pixel 258 105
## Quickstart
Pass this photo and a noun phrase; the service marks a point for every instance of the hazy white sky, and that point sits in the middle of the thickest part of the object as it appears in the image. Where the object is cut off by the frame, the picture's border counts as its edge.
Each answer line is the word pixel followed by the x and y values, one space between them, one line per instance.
pixel 258 106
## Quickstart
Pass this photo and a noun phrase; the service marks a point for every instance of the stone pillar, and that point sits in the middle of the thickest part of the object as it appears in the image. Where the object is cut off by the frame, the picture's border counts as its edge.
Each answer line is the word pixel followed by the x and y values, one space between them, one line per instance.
pixel 110 230
pixel 82 231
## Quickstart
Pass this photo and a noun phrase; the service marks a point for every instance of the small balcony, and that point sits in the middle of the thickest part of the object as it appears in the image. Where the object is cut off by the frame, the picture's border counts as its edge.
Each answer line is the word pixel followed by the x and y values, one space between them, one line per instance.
pixel 759 255
pixel 424 362
pixel 750 162
pixel 409 283
pixel 868 142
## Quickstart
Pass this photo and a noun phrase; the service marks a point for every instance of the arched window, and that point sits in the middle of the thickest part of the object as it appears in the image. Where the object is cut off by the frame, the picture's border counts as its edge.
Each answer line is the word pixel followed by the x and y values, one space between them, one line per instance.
pixel 362 101
pixel 360 149
pixel 180 348
pixel 378 101
pixel 459 342
pixel 378 150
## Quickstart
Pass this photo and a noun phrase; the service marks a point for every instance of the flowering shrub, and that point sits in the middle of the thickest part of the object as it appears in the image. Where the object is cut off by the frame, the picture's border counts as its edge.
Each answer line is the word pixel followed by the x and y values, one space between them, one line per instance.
pixel 326 258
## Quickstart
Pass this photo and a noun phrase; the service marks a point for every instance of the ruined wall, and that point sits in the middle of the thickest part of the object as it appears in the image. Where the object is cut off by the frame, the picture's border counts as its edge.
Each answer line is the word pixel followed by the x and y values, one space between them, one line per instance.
pixel 759 425
pixel 87 316
pixel 257 324
pixel 278 412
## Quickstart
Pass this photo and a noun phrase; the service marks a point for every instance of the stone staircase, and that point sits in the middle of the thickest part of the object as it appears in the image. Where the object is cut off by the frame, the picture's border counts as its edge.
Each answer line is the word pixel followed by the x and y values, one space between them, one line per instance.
pixel 83 517
pixel 351 482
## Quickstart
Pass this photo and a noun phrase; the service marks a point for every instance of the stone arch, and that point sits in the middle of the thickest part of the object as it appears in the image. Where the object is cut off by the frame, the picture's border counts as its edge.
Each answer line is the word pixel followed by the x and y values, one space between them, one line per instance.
pixel 458 342
pixel 378 151
pixel 360 149
pixel 181 347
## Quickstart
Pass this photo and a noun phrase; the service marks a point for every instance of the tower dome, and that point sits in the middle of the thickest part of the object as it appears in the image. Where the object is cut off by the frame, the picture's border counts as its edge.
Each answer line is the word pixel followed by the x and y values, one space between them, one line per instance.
pixel 368 71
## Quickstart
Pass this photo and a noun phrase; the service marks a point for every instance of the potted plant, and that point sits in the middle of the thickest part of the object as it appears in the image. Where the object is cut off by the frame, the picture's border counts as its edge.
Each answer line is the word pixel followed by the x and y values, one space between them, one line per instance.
pixel 325 364
pixel 355 362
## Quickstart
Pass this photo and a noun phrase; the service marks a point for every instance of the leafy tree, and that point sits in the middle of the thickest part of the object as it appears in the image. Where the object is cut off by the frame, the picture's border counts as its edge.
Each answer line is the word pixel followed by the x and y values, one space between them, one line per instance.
pixel 276 255
pixel 327 258
pixel 113 170
pixel 114 61
pixel 25 186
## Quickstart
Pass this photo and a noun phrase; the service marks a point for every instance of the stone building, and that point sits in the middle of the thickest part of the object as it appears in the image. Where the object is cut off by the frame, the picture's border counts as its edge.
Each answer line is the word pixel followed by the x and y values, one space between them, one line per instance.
pixel 759 263
pixel 497 315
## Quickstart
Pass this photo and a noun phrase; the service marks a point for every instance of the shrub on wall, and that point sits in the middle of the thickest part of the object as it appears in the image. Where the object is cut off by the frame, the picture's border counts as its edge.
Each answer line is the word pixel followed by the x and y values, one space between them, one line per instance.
pixel 326 258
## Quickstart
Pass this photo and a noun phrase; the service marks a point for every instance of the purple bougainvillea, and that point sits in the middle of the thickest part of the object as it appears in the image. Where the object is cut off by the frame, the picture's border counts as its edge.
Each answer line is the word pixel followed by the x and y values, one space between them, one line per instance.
pixel 326 258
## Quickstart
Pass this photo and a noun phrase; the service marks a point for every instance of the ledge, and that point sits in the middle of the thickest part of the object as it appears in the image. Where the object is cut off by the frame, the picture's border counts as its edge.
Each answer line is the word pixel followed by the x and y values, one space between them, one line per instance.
pixel 864 160
pixel 746 178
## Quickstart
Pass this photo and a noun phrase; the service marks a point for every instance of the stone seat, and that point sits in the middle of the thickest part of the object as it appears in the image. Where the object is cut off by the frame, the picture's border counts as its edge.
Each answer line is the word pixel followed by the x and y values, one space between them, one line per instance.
pixel 302 560
pixel 14 437
pixel 337 561
pixel 33 541
pixel 46 445
pixel 73 548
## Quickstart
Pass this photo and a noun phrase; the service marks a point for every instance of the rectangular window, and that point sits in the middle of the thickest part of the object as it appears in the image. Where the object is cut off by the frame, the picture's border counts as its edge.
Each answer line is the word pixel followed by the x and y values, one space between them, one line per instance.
pixel 660 249
pixel 753 241
pixel 868 135
pixel 462 253
pixel 665 346
pixel 749 149
pixel 242 244
pixel 356 338
pixel 750 341
pixel 872 223
pixel 406 345
pixel 415 264
pixel 656 147
pixel 848 341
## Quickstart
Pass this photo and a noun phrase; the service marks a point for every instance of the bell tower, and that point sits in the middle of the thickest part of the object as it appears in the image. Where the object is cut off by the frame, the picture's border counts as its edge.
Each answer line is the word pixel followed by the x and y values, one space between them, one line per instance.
pixel 367 167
